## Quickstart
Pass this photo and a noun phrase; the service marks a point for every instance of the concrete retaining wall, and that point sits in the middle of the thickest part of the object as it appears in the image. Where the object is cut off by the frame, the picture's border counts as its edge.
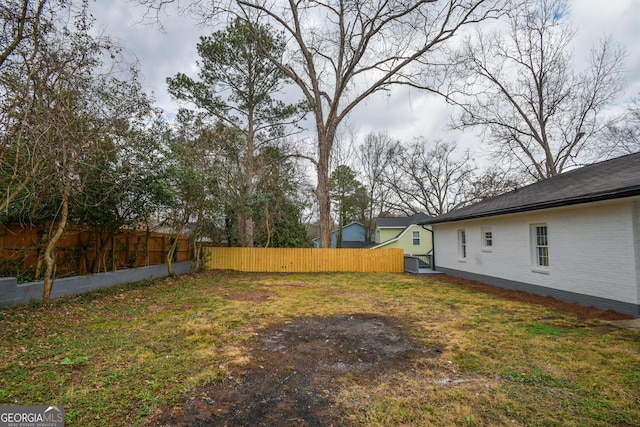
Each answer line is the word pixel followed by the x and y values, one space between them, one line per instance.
pixel 411 264
pixel 12 293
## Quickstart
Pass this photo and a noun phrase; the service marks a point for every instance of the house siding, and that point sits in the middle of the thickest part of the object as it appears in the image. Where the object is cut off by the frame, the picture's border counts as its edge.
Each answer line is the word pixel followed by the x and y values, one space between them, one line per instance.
pixel 405 241
pixel 388 234
pixel 636 239
pixel 353 232
pixel 593 252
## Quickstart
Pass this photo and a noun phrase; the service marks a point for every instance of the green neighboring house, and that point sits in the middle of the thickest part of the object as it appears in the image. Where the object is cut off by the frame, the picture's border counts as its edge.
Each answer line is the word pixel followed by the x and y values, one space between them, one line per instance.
pixel 405 233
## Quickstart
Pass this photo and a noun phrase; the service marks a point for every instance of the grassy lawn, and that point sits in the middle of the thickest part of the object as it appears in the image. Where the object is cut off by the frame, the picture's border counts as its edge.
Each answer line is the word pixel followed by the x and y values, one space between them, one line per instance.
pixel 114 357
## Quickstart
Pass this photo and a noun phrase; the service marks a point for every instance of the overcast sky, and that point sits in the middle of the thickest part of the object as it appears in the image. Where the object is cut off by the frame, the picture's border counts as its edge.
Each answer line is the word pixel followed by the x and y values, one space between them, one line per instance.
pixel 404 114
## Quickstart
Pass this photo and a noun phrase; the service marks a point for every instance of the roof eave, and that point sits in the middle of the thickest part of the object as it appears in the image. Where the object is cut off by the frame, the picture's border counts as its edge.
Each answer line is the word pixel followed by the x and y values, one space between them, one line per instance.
pixel 629 192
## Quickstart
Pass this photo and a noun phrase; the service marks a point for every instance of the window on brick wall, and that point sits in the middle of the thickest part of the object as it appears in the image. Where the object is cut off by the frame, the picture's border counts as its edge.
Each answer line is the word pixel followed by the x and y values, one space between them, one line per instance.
pixel 462 244
pixel 487 239
pixel 540 245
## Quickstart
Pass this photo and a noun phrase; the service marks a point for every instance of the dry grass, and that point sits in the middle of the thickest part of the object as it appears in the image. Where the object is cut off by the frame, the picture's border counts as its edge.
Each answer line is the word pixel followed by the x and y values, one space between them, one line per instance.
pixel 115 357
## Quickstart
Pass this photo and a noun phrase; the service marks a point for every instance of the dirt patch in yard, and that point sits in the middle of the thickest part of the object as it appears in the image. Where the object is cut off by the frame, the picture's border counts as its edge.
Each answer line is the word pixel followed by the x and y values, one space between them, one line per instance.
pixel 246 295
pixel 295 372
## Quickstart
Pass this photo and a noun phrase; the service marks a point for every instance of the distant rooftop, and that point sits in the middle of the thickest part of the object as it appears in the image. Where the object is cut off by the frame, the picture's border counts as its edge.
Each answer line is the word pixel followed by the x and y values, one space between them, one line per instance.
pixel 349 244
pixel 401 221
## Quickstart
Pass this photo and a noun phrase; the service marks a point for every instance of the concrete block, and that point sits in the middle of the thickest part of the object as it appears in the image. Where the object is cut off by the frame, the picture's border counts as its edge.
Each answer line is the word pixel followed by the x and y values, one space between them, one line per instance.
pixel 12 293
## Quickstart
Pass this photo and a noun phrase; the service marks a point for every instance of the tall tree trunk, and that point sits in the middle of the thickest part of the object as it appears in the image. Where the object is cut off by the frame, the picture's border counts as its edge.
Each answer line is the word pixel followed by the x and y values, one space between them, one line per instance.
pixel 249 238
pixel 325 144
pixel 196 262
pixel 101 247
pixel 174 245
pixel 341 223
pixel 324 204
pixel 267 225
pixel 49 255
pixel 170 252
pixel 196 247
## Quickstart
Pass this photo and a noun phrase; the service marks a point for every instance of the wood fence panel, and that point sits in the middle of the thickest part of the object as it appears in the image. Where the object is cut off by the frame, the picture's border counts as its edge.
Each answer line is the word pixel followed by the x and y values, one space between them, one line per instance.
pixel 304 260
pixel 21 247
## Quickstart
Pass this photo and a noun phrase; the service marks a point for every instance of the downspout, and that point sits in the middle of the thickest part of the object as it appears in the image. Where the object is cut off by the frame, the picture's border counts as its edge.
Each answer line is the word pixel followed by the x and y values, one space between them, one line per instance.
pixel 433 247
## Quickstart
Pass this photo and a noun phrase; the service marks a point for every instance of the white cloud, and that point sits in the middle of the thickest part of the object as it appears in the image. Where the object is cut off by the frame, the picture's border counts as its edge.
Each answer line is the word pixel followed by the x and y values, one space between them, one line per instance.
pixel 405 113
pixel 594 19
pixel 161 54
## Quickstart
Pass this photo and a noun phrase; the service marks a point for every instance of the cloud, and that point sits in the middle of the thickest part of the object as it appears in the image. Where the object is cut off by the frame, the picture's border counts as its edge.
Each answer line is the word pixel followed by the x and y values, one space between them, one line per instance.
pixel 161 54
pixel 404 114
pixel 595 19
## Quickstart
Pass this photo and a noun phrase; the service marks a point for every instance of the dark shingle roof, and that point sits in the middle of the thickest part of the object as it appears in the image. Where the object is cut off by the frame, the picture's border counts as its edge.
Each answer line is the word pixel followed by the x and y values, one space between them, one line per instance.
pixel 350 244
pixel 402 221
pixel 611 179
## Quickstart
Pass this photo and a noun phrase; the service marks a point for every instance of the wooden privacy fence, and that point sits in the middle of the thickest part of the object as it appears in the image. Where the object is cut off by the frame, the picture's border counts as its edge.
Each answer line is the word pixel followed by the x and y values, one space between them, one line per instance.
pixel 80 252
pixel 286 260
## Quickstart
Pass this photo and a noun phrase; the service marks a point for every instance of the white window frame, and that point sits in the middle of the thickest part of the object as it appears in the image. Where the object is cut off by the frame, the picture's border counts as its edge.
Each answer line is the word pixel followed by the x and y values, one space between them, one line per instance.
pixel 462 245
pixel 540 247
pixel 413 238
pixel 487 242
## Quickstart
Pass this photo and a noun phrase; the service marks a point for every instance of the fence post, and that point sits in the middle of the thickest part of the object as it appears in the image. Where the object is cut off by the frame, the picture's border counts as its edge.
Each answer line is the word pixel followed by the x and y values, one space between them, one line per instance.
pixel 126 248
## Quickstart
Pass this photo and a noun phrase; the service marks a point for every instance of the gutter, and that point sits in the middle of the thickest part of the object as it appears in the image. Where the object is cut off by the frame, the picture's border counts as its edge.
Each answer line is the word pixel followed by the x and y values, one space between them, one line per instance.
pixel 433 247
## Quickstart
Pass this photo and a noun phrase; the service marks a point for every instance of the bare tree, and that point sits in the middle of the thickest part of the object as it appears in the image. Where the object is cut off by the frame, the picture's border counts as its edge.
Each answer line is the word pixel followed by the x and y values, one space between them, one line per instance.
pixel 430 180
pixel 494 181
pixel 75 104
pixel 375 156
pixel 623 137
pixel 23 26
pixel 340 52
pixel 521 88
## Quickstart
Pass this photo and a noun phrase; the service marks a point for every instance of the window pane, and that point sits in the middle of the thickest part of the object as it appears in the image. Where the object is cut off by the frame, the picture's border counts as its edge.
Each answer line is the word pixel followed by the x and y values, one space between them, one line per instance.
pixel 543 256
pixel 541 246
pixel 541 233
pixel 462 244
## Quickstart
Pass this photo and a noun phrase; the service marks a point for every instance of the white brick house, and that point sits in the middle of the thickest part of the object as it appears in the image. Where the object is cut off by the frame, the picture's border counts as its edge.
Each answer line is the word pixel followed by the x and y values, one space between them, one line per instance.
pixel 575 237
